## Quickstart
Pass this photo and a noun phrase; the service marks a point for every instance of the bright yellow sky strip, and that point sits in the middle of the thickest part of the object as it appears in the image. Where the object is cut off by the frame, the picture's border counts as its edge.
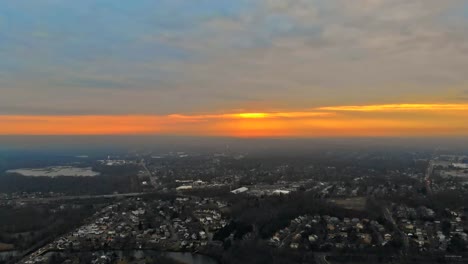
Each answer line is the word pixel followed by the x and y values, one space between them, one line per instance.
pixel 399 107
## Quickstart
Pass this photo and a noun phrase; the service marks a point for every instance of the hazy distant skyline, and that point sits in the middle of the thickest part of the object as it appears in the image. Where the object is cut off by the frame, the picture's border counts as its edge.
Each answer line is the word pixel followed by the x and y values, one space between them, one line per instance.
pixel 241 68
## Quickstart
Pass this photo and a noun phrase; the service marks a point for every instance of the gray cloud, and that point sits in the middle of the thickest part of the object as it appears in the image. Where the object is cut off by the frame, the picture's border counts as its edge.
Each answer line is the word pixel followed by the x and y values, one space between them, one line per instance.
pixel 365 50
pixel 281 54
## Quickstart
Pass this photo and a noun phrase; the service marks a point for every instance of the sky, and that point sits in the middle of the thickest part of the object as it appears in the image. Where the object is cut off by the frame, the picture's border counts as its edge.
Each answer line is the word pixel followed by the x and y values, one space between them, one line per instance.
pixel 244 68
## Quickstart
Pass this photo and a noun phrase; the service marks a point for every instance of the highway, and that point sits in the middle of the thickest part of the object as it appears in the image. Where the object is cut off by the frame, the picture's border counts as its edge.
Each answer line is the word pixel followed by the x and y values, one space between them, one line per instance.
pixel 427 178
pixel 78 197
pixel 153 180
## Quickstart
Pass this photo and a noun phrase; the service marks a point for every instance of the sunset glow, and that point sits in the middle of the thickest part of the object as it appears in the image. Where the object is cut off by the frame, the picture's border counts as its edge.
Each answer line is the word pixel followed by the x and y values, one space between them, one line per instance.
pixel 400 107
pixel 367 120
pixel 266 68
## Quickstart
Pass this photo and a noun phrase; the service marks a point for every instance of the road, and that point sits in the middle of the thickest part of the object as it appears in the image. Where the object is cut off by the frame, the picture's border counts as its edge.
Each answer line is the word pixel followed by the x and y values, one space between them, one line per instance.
pixel 153 180
pixel 78 197
pixel 388 215
pixel 427 178
pixel 321 258
pixel 286 239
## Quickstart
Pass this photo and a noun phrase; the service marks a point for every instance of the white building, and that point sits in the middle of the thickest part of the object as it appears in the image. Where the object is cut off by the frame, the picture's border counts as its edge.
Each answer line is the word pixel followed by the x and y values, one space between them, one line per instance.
pixel 184 187
pixel 240 190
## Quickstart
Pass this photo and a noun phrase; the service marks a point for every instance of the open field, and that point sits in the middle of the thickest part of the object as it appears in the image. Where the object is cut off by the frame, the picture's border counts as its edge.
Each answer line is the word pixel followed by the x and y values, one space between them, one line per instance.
pixel 357 203
pixel 5 247
pixel 56 171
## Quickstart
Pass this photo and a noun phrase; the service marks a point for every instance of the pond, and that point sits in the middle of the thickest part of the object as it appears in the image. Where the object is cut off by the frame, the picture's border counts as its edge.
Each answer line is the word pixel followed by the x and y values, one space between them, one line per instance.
pixel 190 258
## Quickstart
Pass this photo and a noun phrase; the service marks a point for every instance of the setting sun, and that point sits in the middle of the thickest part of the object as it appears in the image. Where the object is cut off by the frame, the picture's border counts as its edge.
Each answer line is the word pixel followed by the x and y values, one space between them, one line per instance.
pixel 252 115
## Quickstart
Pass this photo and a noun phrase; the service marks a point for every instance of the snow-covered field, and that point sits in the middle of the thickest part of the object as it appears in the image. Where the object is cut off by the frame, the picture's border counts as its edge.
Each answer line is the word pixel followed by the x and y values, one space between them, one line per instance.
pixel 56 171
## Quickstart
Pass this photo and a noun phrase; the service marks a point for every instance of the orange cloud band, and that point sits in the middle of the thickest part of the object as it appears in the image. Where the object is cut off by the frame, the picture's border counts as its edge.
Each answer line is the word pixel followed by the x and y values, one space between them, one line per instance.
pixel 399 107
pixel 370 120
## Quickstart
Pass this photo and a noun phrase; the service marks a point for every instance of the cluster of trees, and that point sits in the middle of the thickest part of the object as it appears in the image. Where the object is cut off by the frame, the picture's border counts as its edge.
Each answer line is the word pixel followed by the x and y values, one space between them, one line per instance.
pixel 26 226
pixel 453 199
pixel 269 214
